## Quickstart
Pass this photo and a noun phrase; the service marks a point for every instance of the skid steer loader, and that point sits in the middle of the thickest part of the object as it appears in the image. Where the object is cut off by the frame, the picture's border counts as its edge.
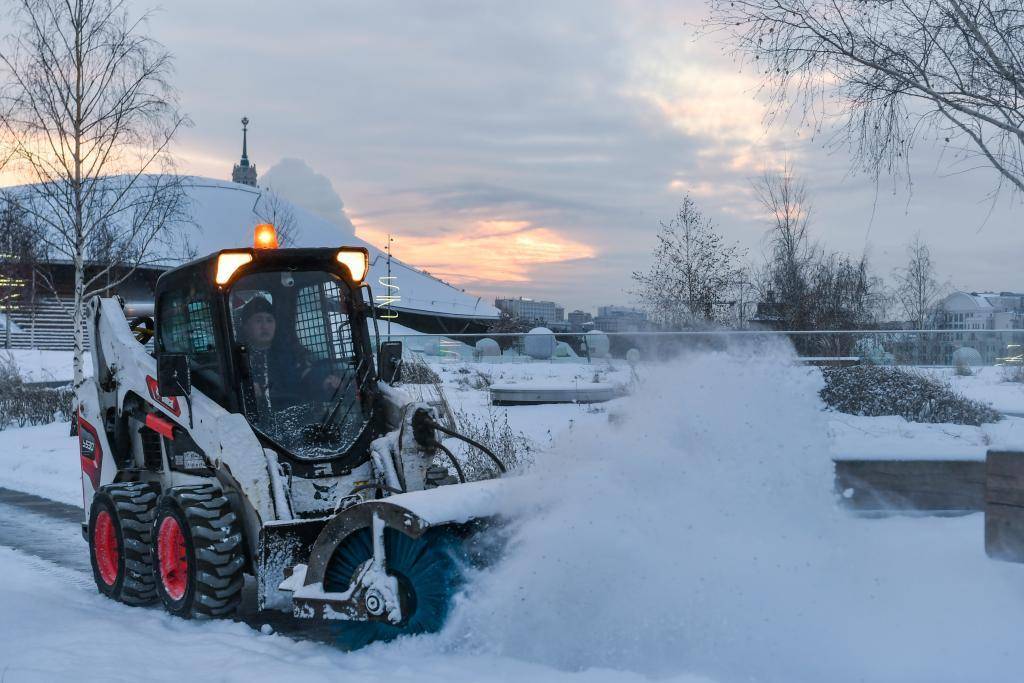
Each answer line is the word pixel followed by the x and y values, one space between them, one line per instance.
pixel 260 437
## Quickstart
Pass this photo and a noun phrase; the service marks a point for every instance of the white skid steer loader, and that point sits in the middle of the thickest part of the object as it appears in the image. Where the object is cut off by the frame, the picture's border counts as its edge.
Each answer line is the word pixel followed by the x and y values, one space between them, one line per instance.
pixel 259 438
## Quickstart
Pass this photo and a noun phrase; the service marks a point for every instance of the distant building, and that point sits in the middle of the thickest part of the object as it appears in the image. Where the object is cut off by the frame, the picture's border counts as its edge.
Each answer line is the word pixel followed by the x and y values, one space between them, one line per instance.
pixel 578 320
pixel 768 314
pixel 620 319
pixel 547 312
pixel 244 172
pixel 970 314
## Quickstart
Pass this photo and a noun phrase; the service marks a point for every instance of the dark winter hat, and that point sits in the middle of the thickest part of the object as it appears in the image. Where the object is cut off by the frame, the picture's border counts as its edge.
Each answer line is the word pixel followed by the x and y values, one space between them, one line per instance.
pixel 258 304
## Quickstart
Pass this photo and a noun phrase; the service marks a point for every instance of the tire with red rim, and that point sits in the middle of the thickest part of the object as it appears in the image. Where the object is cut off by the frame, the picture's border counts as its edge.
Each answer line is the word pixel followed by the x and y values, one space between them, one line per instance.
pixel 120 523
pixel 198 553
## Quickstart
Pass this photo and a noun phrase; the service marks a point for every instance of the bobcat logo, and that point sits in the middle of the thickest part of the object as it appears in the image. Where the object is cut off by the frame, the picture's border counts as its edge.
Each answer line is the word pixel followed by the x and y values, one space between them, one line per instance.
pixel 325 492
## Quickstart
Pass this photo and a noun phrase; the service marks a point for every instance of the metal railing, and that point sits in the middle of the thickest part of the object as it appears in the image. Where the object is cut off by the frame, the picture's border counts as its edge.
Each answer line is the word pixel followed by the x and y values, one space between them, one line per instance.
pixel 951 348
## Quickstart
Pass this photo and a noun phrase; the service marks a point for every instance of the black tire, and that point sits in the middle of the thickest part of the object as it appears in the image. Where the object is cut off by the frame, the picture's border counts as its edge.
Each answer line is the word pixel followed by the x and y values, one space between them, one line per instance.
pixel 126 576
pixel 200 573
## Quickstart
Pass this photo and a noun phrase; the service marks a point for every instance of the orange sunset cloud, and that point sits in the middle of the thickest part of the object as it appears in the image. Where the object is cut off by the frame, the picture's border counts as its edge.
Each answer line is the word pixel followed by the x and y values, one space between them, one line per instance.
pixel 491 250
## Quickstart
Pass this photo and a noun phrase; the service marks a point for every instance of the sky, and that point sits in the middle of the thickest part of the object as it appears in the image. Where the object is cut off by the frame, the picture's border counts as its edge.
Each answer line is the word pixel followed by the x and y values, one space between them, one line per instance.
pixel 531 148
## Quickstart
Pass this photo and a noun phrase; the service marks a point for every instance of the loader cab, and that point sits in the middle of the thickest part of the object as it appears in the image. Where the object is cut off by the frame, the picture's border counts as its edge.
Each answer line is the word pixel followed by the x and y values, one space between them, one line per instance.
pixel 281 337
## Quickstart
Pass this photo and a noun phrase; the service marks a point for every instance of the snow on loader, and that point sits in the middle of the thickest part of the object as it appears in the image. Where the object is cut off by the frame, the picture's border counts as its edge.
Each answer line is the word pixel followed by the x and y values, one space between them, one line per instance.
pixel 259 438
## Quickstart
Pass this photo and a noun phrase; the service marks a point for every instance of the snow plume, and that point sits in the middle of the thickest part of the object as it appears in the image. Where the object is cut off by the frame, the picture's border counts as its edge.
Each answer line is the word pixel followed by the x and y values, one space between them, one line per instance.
pixel 699 534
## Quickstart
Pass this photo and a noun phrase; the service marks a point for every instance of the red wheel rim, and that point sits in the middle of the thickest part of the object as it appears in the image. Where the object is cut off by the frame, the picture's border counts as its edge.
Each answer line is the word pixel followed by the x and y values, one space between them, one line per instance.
pixel 104 542
pixel 173 560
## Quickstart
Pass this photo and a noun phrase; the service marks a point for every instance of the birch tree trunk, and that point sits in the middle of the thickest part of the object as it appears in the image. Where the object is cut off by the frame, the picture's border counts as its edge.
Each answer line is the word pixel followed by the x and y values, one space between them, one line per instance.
pixel 86 99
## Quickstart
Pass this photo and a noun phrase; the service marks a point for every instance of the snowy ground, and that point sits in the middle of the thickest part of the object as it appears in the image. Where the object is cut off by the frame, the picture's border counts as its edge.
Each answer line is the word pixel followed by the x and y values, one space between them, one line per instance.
pixel 42 460
pixel 987 384
pixel 44 366
pixel 893 438
pixel 56 627
pixel 694 536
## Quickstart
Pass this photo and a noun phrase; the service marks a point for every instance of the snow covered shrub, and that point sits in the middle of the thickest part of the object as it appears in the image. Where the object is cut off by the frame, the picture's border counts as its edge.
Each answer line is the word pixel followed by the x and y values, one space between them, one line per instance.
pixel 514 449
pixel 1013 373
pixel 416 371
pixel 24 404
pixel 874 390
pixel 962 369
pixel 474 379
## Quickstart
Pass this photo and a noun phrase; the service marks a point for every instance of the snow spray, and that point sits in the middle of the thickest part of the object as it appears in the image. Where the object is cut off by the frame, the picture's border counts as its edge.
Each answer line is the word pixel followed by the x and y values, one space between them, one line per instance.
pixel 700 534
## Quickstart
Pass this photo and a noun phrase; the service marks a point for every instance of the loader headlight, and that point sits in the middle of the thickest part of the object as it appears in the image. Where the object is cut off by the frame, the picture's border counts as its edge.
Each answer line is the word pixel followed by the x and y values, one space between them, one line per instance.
pixel 228 262
pixel 356 259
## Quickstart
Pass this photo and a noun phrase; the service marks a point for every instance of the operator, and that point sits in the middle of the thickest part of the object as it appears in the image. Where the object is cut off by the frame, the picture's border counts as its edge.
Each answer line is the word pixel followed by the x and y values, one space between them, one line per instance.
pixel 272 364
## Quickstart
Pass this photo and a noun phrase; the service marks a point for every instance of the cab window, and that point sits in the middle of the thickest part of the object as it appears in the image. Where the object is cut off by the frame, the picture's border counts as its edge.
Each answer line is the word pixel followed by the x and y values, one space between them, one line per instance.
pixel 186 326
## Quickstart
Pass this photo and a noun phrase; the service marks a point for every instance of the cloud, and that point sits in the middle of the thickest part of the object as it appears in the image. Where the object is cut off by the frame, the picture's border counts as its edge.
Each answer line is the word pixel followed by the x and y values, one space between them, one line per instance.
pixel 295 181
pixel 496 251
pixel 587 118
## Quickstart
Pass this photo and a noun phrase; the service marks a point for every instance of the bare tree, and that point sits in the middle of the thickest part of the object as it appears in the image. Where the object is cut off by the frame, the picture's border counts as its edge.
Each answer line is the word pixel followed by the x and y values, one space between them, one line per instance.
pixel 917 290
pixel 694 272
pixel 272 208
pixel 510 324
pixel 87 102
pixel 806 287
pixel 893 71
pixel 785 279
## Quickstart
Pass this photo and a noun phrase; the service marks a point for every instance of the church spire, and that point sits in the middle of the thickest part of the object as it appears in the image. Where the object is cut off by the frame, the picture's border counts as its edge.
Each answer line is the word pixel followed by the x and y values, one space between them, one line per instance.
pixel 245 152
pixel 244 172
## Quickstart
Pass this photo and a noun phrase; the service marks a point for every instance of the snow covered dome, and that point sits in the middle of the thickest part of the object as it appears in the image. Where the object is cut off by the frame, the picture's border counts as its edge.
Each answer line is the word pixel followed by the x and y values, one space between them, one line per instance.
pixel 563 350
pixel 487 348
pixel 539 343
pixel 967 357
pixel 598 343
pixel 222 215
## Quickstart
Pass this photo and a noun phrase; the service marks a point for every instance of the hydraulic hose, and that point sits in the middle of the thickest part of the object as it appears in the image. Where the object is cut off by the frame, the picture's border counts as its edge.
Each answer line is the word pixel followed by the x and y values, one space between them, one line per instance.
pixel 455 462
pixel 476 444
pixel 363 487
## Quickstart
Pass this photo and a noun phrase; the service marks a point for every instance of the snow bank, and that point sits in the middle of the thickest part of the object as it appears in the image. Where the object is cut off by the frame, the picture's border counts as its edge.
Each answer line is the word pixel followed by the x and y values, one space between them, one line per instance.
pixel 45 366
pixel 42 460
pixel 701 536
pixel 988 385
pixel 890 437
pixel 56 627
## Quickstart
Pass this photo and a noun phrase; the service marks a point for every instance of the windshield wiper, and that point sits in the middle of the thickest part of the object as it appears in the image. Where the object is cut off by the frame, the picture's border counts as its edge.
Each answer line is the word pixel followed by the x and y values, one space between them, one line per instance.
pixel 337 400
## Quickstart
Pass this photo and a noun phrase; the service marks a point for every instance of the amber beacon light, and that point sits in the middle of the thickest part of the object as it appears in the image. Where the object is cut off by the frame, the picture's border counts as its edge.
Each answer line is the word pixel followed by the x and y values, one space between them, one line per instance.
pixel 265 236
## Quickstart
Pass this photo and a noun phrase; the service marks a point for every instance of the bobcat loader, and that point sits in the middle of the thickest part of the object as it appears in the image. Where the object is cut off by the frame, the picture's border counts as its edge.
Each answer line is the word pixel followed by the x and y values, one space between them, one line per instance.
pixel 246 428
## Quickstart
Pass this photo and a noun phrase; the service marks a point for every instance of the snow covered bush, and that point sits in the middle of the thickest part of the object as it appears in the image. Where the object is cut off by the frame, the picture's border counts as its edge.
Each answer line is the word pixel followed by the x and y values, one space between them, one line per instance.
pixel 1013 373
pixel 875 390
pixel 476 380
pixel 514 449
pixel 24 404
pixel 416 371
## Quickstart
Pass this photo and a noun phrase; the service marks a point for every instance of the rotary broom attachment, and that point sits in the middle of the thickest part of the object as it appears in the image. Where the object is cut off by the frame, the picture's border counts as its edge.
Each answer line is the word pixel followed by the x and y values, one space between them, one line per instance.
pixel 391 567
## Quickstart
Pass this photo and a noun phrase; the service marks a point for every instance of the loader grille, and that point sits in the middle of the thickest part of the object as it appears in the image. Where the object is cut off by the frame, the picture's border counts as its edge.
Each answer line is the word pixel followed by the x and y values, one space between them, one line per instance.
pixel 151 457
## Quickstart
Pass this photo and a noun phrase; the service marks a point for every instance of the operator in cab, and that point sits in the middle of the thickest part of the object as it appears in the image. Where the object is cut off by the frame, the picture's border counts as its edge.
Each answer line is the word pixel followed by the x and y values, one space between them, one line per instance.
pixel 279 369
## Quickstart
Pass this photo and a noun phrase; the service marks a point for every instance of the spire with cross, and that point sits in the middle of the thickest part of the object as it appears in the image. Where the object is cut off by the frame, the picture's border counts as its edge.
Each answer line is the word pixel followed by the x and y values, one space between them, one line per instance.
pixel 244 172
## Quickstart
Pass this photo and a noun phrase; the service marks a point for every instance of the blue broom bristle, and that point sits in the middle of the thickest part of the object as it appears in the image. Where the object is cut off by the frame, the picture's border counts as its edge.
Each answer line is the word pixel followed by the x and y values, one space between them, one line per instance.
pixel 428 568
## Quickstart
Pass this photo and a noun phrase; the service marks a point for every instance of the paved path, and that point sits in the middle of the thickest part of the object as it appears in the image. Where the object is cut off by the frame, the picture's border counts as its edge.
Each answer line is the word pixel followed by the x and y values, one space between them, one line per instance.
pixel 52 531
